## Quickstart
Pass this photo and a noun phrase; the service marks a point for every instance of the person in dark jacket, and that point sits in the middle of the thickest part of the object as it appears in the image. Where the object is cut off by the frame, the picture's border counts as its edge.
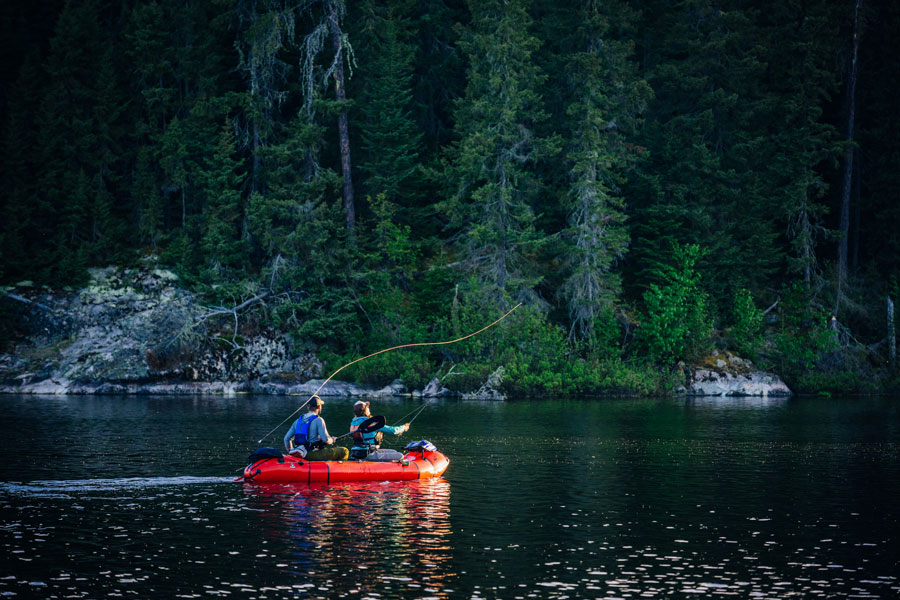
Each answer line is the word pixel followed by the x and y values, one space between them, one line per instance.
pixel 308 437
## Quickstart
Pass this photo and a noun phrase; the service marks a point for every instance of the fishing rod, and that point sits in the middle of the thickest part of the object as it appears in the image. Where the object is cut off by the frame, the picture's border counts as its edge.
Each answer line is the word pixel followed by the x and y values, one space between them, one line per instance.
pixel 353 362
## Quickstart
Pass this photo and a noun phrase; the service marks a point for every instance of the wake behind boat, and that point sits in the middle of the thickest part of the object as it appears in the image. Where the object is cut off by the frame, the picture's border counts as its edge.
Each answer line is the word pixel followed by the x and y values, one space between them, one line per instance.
pixel 421 460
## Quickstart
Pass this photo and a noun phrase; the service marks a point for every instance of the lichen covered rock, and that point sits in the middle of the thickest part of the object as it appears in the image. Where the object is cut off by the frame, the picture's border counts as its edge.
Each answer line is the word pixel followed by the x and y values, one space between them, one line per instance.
pixel 135 331
pixel 726 374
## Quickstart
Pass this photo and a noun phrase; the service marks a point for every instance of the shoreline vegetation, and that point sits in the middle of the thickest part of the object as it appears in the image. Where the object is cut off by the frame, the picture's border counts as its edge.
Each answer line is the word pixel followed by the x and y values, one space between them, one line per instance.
pixel 683 196
pixel 136 331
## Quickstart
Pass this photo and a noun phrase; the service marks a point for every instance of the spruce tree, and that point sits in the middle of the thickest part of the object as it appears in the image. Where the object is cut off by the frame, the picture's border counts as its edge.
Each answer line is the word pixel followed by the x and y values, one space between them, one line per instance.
pixel 600 94
pixel 492 171
pixel 221 181
pixel 439 69
pixel 267 29
pixel 879 246
pixel 799 84
pixel 301 233
pixel 327 18
pixel 390 138
pixel 184 83
pixel 20 166
pixel 151 45
pixel 77 140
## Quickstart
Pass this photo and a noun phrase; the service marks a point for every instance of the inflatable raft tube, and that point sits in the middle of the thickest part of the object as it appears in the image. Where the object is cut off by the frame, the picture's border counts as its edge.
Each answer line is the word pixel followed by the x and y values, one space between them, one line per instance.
pixel 291 469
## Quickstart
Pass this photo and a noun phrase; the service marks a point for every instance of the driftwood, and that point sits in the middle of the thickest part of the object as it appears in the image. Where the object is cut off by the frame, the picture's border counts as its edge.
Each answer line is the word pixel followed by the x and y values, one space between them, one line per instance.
pixel 18 298
pixel 218 311
pixel 234 312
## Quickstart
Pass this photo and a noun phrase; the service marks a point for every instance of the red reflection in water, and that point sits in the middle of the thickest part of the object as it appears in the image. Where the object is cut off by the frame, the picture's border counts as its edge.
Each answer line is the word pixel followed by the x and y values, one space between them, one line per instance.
pixel 392 535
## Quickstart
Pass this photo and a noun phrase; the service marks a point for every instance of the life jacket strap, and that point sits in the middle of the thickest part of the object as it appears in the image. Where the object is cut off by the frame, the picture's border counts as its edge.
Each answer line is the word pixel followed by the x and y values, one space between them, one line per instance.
pixel 301 437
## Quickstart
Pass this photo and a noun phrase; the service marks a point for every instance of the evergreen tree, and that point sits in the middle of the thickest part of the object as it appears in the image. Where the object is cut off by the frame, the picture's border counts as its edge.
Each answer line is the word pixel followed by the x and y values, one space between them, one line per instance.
pixel 879 246
pixel 390 138
pixel 800 81
pixel 327 17
pixel 383 281
pixel 19 166
pixel 184 85
pixel 221 182
pixel 301 234
pixel 151 45
pixel 268 27
pixel 493 162
pixel 598 85
pixel 704 61
pixel 439 78
pixel 77 138
pixel 676 324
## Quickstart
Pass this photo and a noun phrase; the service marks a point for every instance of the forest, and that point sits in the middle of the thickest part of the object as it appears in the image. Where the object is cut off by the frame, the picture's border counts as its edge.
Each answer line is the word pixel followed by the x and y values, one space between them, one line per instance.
pixel 650 179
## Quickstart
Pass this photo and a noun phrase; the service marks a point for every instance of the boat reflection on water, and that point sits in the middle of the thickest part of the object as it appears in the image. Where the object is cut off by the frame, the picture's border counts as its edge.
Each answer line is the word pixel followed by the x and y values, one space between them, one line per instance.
pixel 386 536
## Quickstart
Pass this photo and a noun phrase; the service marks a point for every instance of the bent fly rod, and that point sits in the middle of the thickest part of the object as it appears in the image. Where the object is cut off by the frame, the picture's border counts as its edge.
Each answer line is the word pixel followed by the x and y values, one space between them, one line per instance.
pixel 353 362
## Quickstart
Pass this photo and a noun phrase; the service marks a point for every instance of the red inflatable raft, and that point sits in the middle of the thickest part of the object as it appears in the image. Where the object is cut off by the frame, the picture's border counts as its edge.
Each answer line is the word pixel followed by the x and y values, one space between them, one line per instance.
pixel 290 469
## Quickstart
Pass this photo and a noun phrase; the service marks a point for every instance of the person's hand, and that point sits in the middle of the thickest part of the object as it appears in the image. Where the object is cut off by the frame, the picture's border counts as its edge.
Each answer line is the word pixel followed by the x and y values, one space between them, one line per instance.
pixel 330 440
pixel 405 427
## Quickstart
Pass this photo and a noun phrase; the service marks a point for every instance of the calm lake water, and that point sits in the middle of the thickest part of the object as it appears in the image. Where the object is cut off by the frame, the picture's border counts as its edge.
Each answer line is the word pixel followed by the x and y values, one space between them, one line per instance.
pixel 607 498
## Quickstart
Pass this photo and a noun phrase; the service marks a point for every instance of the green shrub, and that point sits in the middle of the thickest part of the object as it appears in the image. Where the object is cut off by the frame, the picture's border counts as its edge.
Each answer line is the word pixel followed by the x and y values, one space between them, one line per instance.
pixel 801 338
pixel 816 382
pixel 677 323
pixel 605 342
pixel 747 321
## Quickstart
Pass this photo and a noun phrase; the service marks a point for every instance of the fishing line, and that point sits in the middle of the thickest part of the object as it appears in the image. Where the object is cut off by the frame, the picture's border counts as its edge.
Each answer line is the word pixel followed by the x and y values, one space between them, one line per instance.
pixel 417 409
pixel 418 413
pixel 353 362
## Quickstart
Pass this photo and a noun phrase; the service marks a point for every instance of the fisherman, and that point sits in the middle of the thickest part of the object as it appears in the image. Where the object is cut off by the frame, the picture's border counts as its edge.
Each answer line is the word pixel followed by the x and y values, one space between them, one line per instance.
pixel 309 438
pixel 367 445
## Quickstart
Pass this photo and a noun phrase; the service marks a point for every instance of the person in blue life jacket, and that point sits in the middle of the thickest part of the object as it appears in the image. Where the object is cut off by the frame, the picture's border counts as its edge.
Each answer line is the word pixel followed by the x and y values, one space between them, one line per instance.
pixel 368 445
pixel 308 437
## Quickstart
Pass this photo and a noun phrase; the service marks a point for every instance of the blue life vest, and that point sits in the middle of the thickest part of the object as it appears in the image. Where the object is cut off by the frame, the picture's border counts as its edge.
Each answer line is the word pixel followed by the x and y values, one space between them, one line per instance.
pixel 301 434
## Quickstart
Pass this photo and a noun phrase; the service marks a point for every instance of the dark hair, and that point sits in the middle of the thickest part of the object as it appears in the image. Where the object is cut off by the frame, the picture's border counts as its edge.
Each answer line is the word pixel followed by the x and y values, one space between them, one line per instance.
pixel 360 409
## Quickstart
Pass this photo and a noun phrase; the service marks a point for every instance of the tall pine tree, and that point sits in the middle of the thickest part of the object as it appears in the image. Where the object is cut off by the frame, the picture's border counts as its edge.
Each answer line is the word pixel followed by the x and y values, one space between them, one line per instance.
pixel 390 138
pixel 493 163
pixel 595 79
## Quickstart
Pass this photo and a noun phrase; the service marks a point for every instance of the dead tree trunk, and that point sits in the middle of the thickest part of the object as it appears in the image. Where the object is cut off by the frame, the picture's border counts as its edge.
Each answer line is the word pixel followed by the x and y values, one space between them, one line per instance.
pixel 847 184
pixel 892 334
pixel 343 127
pixel 857 210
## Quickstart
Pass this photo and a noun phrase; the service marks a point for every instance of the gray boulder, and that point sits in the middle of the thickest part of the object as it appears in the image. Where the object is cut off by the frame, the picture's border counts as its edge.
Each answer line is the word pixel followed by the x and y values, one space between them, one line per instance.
pixel 725 374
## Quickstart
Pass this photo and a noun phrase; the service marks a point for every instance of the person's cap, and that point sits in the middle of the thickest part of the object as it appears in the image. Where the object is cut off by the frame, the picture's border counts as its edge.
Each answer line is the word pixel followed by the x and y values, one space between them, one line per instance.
pixel 315 402
pixel 360 403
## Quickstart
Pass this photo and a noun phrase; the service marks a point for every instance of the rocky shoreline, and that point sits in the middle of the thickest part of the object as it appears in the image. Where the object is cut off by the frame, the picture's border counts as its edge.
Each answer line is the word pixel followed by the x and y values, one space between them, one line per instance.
pixel 268 386
pixel 725 374
pixel 135 331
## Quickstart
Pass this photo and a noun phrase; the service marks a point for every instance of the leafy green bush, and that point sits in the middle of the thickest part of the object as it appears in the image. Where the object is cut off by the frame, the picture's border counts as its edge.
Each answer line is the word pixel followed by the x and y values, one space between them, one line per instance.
pixel 605 342
pixel 816 382
pixel 747 320
pixel 802 336
pixel 676 324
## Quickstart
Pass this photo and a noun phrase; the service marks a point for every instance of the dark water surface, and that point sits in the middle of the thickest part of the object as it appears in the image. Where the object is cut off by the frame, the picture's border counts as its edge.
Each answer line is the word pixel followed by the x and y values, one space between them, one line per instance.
pixel 106 497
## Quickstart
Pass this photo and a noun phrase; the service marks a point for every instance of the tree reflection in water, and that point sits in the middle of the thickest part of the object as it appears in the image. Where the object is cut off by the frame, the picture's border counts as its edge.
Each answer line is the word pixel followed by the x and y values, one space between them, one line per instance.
pixel 359 537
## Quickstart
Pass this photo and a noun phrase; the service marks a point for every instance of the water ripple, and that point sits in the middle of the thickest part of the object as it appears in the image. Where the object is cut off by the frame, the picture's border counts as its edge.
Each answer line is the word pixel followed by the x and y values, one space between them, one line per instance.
pixel 68 488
